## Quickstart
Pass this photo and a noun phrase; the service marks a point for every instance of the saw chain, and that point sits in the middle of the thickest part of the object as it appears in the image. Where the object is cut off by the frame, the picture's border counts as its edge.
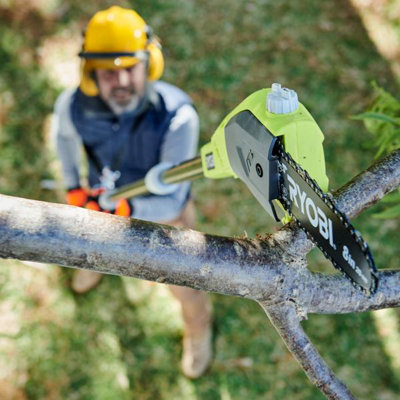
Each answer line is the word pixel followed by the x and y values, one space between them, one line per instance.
pixel 338 240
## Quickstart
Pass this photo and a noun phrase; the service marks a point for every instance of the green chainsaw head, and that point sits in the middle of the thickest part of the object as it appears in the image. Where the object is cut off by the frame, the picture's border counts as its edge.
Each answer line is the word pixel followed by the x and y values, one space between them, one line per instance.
pixel 244 144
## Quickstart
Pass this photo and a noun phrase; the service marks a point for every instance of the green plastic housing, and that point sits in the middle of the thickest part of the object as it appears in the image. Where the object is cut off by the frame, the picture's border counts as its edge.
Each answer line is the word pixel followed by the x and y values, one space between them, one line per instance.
pixel 301 137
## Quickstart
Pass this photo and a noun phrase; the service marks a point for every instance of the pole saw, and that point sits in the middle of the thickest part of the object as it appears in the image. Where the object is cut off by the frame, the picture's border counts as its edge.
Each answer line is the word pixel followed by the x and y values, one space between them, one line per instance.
pixel 272 143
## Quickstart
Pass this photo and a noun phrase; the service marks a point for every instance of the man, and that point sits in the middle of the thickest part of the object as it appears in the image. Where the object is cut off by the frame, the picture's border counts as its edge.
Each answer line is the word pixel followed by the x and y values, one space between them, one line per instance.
pixel 128 122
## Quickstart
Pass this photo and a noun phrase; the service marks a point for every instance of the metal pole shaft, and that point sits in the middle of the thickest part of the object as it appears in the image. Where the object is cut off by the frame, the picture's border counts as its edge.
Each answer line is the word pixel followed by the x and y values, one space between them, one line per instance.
pixel 186 171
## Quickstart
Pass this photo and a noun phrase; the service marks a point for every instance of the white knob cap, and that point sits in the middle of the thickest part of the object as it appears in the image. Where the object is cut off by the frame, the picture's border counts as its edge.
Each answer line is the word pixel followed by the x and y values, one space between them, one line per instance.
pixel 282 100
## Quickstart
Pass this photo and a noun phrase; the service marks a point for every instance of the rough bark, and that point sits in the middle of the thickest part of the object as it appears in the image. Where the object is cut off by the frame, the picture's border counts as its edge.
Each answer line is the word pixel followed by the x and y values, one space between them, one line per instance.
pixel 271 271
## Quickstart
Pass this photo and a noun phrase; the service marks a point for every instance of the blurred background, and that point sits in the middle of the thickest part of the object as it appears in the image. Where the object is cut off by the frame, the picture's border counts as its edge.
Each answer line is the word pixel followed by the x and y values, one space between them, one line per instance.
pixel 123 340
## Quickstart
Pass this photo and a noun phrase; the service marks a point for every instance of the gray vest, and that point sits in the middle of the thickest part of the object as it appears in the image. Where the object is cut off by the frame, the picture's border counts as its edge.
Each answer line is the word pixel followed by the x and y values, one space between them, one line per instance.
pixel 129 143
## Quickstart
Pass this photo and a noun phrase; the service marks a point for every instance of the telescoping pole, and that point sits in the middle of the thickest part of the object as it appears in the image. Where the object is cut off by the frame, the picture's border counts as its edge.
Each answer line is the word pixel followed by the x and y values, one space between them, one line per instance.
pixel 186 171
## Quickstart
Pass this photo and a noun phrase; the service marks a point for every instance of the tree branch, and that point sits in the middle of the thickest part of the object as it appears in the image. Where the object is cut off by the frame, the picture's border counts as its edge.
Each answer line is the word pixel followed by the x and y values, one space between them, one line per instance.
pixel 271 270
pixel 286 321
pixel 370 186
pixel 72 236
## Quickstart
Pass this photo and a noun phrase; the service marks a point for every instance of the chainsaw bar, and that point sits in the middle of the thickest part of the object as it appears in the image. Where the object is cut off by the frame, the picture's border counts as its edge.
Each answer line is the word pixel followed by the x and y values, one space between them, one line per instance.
pixel 259 159
pixel 316 213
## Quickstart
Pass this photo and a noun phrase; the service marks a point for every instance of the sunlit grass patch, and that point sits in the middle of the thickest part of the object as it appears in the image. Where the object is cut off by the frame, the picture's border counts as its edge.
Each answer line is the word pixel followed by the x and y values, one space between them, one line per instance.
pixel 387 324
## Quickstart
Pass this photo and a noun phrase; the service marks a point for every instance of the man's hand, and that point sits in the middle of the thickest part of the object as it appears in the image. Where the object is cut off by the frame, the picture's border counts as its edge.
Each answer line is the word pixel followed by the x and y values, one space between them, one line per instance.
pixel 77 197
pixel 89 199
pixel 93 200
pixel 123 208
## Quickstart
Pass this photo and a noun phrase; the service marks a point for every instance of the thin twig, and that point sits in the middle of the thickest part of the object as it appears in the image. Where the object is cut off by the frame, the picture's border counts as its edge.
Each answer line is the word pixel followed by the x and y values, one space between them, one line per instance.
pixel 286 321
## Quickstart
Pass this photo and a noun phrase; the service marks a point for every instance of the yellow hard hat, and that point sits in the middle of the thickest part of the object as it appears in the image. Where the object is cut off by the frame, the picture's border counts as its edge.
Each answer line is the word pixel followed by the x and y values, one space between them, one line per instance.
pixel 118 38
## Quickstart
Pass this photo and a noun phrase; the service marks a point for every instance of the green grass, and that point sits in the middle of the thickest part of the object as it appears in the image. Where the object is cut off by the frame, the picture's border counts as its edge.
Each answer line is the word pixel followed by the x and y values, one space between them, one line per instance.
pixel 123 340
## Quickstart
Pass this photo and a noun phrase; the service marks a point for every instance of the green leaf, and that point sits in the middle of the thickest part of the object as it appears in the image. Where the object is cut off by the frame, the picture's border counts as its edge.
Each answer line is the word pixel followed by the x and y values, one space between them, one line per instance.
pixel 392 198
pixel 392 212
pixel 377 116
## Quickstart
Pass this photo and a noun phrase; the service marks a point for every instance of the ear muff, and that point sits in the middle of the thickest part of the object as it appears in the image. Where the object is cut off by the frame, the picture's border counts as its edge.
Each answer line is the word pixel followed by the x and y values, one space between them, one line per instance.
pixel 156 61
pixel 88 85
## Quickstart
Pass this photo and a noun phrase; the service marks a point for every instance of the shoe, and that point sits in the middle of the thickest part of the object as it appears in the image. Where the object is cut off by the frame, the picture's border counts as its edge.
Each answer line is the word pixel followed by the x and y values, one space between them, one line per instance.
pixel 197 354
pixel 84 280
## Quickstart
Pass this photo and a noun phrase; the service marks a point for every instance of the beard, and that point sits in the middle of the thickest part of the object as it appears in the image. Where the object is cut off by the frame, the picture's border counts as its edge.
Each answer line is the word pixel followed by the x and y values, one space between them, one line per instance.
pixel 123 100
